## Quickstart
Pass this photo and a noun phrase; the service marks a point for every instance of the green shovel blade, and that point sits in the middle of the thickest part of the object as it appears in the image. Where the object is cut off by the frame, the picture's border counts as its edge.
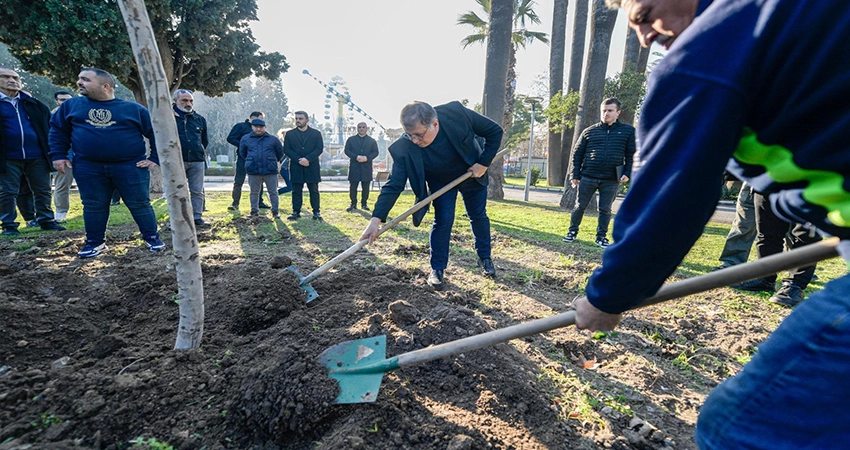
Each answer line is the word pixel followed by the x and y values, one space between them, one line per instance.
pixel 308 289
pixel 358 366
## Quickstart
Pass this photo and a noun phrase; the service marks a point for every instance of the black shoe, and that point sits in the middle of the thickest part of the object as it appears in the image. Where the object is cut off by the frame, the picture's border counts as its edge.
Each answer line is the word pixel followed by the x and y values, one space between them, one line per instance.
pixel 52 226
pixel 317 216
pixel 275 215
pixel 788 295
pixel 721 267
pixel 32 223
pixel 11 231
pixel 365 207
pixel 294 216
pixel 255 214
pixel 351 208
pixel 264 206
pixel 436 280
pixel 602 242
pixel 487 265
pixel 233 207
pixel 570 237
pixel 199 223
pixel 757 285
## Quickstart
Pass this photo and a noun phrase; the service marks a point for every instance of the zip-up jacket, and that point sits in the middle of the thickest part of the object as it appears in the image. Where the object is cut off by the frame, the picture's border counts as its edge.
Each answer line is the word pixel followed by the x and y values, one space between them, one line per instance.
pixel 23 130
pixel 601 148
pixel 744 89
pixel 192 130
pixel 261 153
pixel 238 132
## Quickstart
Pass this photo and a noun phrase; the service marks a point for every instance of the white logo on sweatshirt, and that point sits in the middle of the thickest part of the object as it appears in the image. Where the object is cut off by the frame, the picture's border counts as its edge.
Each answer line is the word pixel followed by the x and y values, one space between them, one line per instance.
pixel 100 118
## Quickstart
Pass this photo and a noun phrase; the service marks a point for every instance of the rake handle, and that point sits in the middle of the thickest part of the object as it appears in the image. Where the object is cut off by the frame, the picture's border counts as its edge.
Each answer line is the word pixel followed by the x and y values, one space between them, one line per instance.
pixel 801 257
pixel 416 207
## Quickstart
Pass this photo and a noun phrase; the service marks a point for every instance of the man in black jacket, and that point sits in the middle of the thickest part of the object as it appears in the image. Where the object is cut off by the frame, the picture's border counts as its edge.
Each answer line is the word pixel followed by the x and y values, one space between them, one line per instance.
pixel 362 149
pixel 435 151
pixel 236 133
pixel 602 159
pixel 192 130
pixel 24 124
pixel 303 145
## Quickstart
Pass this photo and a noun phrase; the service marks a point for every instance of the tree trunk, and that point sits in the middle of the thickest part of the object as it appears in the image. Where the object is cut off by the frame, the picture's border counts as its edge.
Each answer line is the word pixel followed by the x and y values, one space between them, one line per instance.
pixel 557 49
pixel 574 80
pixel 593 82
pixel 190 286
pixel 495 79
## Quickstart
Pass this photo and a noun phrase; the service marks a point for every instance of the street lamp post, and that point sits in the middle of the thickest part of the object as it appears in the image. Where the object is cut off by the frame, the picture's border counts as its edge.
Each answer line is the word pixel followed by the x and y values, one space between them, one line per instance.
pixel 533 101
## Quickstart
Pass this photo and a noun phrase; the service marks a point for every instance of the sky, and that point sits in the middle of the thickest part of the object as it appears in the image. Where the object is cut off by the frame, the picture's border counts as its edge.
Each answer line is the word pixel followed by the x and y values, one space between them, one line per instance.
pixel 392 52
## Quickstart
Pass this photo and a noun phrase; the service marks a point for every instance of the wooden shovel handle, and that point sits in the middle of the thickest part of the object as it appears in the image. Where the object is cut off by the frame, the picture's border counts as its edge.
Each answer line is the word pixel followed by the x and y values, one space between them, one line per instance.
pixel 416 207
pixel 800 257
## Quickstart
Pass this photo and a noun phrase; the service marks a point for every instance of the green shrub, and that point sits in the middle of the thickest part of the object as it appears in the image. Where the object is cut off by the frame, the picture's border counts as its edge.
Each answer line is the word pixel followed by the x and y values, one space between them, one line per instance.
pixel 220 171
pixel 535 175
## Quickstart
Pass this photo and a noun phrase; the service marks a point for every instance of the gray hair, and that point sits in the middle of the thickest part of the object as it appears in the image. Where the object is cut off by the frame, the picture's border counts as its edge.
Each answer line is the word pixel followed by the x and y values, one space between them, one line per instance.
pixel 180 92
pixel 417 113
pixel 613 4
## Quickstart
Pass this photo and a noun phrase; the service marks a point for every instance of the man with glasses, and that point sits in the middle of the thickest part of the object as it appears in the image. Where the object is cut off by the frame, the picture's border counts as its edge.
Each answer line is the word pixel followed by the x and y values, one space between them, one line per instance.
pixel 440 145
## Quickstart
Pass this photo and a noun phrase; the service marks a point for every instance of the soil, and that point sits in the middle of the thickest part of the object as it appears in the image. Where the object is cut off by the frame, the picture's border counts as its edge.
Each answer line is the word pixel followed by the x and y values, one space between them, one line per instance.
pixel 86 357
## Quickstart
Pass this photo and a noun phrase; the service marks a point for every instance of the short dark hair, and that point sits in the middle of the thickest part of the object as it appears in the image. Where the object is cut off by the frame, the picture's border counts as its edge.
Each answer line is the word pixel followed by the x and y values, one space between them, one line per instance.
pixel 613 101
pixel 58 93
pixel 302 113
pixel 102 75
pixel 417 113
pixel 255 114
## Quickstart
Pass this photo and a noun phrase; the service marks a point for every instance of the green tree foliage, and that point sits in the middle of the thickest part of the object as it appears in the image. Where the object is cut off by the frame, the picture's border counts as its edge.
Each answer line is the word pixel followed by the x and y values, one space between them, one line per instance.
pixel 562 110
pixel 630 88
pixel 205 45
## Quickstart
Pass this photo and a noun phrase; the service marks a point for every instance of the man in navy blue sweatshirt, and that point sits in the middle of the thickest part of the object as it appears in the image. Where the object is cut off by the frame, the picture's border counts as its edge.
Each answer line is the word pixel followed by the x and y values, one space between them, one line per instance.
pixel 769 79
pixel 110 138
pixel 23 154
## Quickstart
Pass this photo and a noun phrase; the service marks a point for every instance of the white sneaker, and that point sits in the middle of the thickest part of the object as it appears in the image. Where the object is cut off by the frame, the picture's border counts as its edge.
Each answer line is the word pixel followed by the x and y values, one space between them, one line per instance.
pixel 59 217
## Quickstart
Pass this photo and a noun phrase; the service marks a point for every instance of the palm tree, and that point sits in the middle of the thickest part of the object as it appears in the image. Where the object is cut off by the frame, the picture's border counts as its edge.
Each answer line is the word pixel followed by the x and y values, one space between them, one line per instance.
pixel 495 76
pixel 557 166
pixel 523 14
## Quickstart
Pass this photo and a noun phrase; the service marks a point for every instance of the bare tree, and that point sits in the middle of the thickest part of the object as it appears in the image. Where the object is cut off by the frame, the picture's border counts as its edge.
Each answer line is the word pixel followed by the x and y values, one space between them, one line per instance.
pixel 190 286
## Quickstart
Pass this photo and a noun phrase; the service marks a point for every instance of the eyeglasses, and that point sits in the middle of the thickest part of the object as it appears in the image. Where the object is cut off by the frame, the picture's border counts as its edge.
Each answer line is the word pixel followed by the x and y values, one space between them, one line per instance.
pixel 419 136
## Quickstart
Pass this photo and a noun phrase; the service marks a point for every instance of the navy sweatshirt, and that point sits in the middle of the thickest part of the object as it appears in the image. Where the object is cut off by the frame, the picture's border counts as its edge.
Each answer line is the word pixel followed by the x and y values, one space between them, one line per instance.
pixel 760 86
pixel 102 132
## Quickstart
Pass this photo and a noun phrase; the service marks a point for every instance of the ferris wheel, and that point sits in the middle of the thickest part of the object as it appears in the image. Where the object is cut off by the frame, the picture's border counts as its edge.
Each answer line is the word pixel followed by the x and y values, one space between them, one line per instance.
pixel 337 91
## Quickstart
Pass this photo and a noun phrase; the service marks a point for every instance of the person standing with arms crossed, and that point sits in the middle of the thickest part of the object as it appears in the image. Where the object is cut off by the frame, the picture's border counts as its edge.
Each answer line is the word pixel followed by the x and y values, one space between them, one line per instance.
pixel 303 145
pixel 362 149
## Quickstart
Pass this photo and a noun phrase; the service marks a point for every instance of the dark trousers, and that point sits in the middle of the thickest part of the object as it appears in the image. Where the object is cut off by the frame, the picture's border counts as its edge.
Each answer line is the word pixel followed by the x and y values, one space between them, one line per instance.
pixel 475 201
pixel 587 187
pixel 297 196
pixel 352 191
pixel 25 200
pixel 239 180
pixel 37 173
pixel 284 173
pixel 770 240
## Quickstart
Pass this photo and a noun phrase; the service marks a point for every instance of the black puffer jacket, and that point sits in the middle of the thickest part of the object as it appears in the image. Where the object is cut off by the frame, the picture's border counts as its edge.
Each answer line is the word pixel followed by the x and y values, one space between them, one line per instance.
pixel 601 148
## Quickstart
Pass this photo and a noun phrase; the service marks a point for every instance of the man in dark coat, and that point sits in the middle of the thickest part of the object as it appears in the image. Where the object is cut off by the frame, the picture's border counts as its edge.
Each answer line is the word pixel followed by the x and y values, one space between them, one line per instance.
pixel 362 149
pixel 236 134
pixel 435 151
pixel 192 131
pixel 602 159
pixel 24 124
pixel 303 145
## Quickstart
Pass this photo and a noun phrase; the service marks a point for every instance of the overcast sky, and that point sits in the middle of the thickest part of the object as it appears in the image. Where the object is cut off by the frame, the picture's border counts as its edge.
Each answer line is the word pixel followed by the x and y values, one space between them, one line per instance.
pixel 391 52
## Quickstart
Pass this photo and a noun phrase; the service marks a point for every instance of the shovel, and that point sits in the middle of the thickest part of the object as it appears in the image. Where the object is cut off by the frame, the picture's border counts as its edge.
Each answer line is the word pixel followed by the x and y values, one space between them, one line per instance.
pixel 304 282
pixel 359 366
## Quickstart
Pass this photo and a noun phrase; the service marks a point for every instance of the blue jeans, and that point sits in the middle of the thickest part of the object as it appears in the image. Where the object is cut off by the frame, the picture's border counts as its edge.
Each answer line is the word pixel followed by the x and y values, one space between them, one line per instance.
pixel 97 181
pixel 284 173
pixel 37 173
pixel 587 187
pixel 195 177
pixel 475 200
pixel 793 393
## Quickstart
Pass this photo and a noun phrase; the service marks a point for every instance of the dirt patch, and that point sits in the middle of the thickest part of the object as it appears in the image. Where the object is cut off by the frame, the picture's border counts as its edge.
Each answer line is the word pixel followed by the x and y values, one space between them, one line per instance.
pixel 86 359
